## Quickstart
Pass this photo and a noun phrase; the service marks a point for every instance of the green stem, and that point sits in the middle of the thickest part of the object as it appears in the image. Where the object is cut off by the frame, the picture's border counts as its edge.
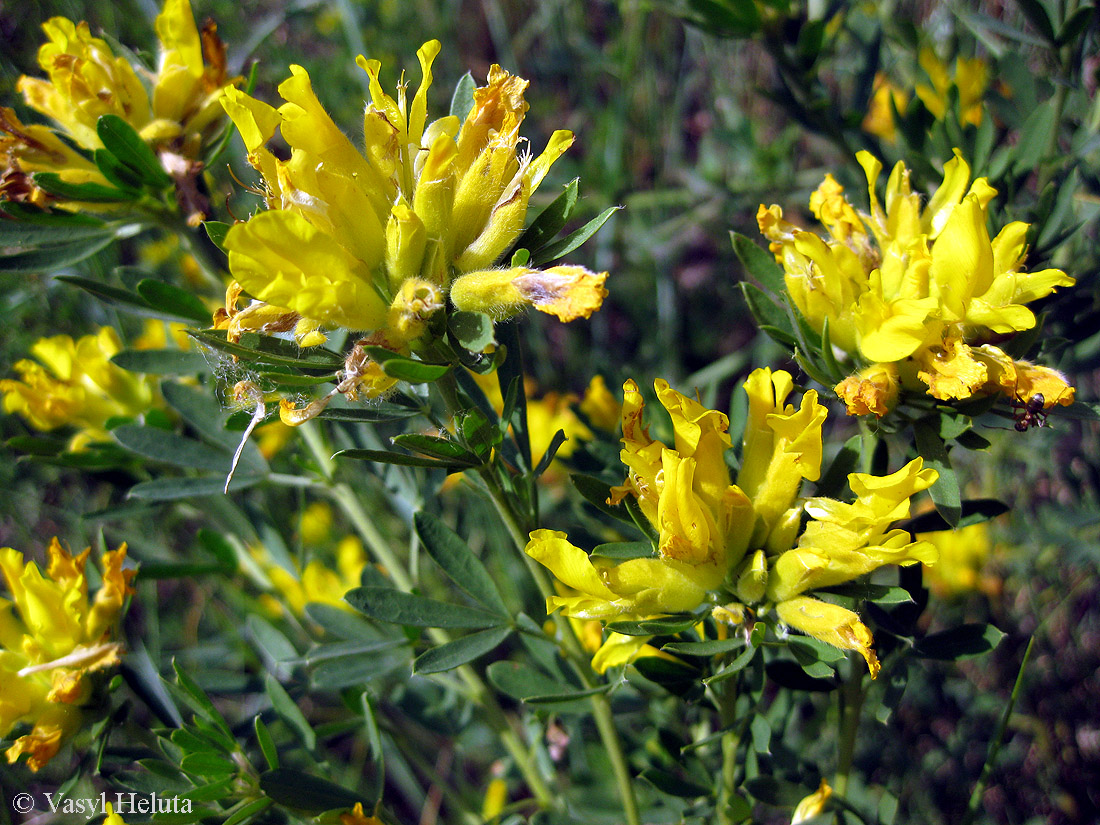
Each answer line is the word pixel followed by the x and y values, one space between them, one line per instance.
pixel 726 697
pixel 851 705
pixel 476 689
pixel 601 707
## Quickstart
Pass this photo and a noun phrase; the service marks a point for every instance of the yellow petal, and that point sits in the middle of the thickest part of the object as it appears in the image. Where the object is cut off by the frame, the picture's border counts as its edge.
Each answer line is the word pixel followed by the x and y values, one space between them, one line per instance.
pixel 831 624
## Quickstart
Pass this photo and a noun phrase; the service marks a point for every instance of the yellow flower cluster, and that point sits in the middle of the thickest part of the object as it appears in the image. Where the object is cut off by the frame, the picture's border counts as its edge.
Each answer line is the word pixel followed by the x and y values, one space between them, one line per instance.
pixel 971 80
pixel 738 546
pixel 316 582
pixel 915 293
pixel 51 637
pixel 86 81
pixel 376 240
pixel 75 384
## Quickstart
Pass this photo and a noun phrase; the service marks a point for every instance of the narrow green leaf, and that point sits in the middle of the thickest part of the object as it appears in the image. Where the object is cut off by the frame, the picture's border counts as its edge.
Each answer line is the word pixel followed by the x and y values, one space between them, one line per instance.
pixel 1036 14
pixel 375 769
pixel 376 413
pixel 436 447
pixel 242 814
pixel 173 300
pixel 199 700
pixel 760 264
pixel 709 648
pixel 596 491
pixel 117 173
pixel 521 681
pixel 170 448
pixel 120 139
pixel 666 626
pixel 460 651
pixel 208 764
pixel 1074 26
pixel 462 100
pixel 52 184
pixel 548 456
pixel 48 258
pixel 171 489
pixel 945 493
pixel 736 666
pixel 302 791
pixel 551 220
pixel 216 231
pixel 266 743
pixel 962 642
pixel 289 712
pixel 387 457
pixel 761 734
pixel 624 550
pixel 17 233
pixel 568 696
pixel 162 361
pixel 768 314
pixel 385 604
pixel 414 372
pixel 459 562
pixel 268 350
pixel 674 784
pixel 270 639
pixel 551 252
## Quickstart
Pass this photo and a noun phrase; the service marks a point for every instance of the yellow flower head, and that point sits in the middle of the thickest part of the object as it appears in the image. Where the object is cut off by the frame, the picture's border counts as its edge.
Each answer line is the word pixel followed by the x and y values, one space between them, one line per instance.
pixel 738 543
pixel 74 383
pixel 914 290
pixel 971 80
pixel 429 204
pixel 85 80
pixel 964 555
pixel 51 637
pixel 317 582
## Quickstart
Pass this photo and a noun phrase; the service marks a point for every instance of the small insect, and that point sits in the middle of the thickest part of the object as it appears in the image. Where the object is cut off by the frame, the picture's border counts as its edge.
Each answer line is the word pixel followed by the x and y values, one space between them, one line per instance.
pixel 1029 413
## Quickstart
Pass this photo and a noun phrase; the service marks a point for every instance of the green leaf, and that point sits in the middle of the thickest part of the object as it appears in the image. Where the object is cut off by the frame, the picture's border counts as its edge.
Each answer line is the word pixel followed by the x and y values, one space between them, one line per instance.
pixel 289 712
pixel 452 654
pixel 521 681
pixel 624 550
pixel 792 675
pixel 1074 26
pixel 48 258
pixel 173 300
pixel 198 407
pixel 963 642
pixel 1036 14
pixel 200 702
pixel 736 666
pixel 559 249
pixel 267 350
pixel 712 647
pixel 835 480
pixel 120 139
pixel 52 184
pixel 472 330
pixel 761 734
pixel 877 593
pixel 385 604
pixel 760 264
pixel 414 372
pixel 270 639
pixel 339 622
pixel 171 489
pixel 302 791
pixel 266 743
pixel 596 491
pixel 242 814
pixel 170 448
pixel 121 297
pixel 1035 137
pixel 674 784
pixel 23 232
pixel 436 447
pixel 216 231
pixel 551 220
pixel 117 173
pixel 459 562
pixel 162 361
pixel 666 626
pixel 945 492
pixel 376 413
pixel 769 316
pixel 462 100
pixel 375 767
pixel 208 764
pixel 974 511
pixel 387 457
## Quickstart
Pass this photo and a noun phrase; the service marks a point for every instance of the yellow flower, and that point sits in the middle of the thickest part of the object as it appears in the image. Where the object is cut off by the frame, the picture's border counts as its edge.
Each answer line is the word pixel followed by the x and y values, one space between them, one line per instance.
pixel 885 98
pixel 718 539
pixel 963 557
pixel 85 80
pixel 112 817
pixel 51 637
pixel 914 293
pixel 75 384
pixel 813 805
pixel 356 816
pixel 971 80
pixel 317 582
pixel 377 240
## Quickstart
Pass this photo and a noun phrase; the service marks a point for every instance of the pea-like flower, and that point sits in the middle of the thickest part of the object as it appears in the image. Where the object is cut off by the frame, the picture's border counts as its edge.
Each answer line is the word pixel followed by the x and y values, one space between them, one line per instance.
pixel 740 546
pixel 376 240
pixel 51 637
pixel 86 80
pixel 74 384
pixel 916 294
